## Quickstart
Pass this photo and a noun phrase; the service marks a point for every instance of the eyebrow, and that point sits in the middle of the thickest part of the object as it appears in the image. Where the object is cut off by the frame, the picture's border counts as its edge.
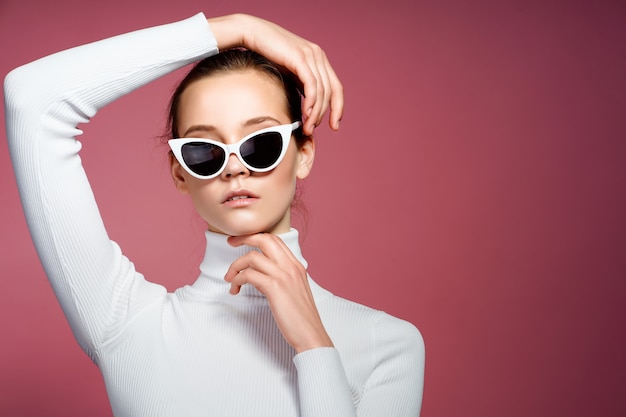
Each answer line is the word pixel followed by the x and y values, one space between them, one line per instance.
pixel 211 128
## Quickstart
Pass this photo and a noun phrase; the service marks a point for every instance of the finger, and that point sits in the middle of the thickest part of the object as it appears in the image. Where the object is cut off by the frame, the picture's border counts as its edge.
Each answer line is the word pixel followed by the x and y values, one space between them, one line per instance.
pixel 336 99
pixel 252 260
pixel 325 80
pixel 248 276
pixel 270 245
pixel 323 98
pixel 329 93
pixel 278 258
pixel 309 86
pixel 316 62
pixel 313 94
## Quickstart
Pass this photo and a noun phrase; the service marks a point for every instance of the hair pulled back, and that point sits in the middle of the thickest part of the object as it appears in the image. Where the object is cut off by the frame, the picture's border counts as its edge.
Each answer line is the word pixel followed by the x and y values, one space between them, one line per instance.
pixel 239 60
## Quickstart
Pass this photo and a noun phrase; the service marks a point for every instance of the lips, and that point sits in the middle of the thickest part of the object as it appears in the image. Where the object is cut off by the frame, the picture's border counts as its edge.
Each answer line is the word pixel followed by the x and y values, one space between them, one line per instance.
pixel 237 195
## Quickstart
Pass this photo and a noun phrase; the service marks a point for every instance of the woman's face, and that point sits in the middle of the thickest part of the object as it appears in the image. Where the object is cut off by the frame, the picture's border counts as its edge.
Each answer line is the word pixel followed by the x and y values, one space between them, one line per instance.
pixel 227 107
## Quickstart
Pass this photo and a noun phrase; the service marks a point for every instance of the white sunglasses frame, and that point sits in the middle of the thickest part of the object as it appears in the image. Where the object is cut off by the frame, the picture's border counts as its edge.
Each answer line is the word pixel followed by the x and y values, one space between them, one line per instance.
pixel 285 131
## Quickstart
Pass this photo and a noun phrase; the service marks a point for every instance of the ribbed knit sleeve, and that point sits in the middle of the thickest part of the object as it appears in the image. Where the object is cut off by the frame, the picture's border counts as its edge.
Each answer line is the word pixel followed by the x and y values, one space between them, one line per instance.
pixel 396 384
pixel 322 384
pixel 393 371
pixel 45 101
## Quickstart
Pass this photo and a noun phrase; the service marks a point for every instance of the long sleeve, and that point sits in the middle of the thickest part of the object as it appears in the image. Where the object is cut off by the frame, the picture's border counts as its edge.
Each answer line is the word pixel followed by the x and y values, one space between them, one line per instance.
pixel 45 101
pixel 383 357
pixel 396 385
pixel 322 384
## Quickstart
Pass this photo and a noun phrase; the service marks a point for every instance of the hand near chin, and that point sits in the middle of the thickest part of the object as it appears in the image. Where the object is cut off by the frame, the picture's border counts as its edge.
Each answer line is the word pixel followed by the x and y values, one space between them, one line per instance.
pixel 283 280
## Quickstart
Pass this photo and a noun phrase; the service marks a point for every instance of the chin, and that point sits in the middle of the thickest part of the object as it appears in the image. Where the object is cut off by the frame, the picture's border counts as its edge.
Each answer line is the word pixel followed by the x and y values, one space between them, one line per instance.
pixel 248 224
pixel 238 230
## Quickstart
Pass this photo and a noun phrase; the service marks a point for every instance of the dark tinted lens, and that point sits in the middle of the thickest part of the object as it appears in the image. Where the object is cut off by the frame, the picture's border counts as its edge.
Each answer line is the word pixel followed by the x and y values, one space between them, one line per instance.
pixel 262 150
pixel 203 158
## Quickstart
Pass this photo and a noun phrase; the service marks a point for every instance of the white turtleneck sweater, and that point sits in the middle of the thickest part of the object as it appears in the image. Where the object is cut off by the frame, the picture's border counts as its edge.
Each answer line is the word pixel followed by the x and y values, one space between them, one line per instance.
pixel 198 351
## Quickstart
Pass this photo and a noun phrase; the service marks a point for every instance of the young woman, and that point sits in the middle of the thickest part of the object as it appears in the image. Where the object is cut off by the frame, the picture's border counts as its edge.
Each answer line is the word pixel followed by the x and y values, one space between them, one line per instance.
pixel 254 335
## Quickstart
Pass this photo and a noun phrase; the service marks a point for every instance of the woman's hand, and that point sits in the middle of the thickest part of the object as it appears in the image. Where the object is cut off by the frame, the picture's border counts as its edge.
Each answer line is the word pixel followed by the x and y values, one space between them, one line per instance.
pixel 283 280
pixel 305 59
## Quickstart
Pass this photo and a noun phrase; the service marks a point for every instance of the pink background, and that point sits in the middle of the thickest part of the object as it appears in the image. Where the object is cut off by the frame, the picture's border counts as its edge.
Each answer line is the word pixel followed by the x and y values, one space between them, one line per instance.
pixel 477 189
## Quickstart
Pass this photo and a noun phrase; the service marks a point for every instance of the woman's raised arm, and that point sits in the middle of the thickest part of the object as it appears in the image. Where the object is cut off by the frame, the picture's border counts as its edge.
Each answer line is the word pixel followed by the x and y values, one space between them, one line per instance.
pixel 45 102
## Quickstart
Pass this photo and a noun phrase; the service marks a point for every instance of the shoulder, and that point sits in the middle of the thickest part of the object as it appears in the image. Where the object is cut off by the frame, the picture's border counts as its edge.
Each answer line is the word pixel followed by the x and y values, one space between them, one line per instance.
pixel 396 335
pixel 364 325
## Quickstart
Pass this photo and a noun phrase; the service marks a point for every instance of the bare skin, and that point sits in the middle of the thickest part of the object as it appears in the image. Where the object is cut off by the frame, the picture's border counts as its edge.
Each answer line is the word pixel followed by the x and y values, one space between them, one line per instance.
pixel 322 88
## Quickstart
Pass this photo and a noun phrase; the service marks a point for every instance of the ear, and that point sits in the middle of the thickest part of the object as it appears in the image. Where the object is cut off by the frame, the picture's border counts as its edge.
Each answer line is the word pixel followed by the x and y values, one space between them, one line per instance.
pixel 306 156
pixel 177 175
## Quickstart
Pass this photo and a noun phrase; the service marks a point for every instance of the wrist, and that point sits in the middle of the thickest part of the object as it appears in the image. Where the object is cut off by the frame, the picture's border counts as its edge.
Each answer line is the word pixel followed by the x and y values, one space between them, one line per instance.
pixel 322 341
pixel 228 30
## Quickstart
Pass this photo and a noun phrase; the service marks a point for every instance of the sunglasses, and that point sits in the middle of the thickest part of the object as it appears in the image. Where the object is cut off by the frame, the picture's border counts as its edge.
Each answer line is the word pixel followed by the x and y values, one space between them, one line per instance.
pixel 260 151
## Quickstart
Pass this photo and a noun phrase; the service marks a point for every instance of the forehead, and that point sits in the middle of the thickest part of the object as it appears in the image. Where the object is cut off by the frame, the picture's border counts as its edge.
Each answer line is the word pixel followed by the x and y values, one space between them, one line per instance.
pixel 227 96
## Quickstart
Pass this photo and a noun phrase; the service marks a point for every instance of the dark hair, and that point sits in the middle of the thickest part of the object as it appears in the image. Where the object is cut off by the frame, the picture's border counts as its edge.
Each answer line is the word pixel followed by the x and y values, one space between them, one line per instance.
pixel 238 60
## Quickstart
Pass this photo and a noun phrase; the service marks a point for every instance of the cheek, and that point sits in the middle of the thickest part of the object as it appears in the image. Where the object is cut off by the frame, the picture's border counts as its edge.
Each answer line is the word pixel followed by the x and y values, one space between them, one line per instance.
pixel 285 173
pixel 204 195
pixel 279 186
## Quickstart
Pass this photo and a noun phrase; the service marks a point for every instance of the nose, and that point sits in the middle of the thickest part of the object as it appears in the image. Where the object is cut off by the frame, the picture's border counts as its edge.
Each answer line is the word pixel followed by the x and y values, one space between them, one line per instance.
pixel 234 167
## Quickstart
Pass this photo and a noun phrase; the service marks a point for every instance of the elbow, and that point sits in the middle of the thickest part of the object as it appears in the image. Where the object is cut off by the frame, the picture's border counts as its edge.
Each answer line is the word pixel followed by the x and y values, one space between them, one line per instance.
pixel 18 98
pixel 17 95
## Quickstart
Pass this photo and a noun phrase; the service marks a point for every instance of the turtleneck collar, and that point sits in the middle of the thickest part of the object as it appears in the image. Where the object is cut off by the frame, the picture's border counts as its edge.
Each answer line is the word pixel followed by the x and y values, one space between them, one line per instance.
pixel 219 255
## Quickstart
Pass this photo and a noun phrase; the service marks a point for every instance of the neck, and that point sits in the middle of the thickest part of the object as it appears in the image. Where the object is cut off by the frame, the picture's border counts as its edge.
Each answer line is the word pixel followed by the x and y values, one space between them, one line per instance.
pixel 219 255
